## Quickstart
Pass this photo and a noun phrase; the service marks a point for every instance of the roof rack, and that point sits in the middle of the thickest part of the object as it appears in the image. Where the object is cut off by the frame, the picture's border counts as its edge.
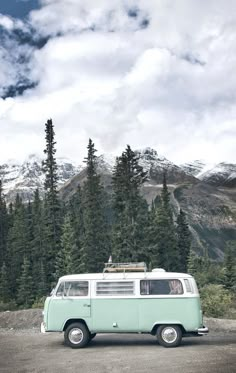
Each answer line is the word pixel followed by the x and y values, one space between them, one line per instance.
pixel 125 267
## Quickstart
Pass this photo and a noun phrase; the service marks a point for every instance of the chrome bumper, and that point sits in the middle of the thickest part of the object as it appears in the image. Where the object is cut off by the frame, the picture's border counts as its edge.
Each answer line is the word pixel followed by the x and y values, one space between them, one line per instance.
pixel 42 328
pixel 203 331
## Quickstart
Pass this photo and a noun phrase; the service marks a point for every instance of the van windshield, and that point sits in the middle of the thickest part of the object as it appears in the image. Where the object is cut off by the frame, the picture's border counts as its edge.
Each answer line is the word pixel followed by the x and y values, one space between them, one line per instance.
pixel 73 288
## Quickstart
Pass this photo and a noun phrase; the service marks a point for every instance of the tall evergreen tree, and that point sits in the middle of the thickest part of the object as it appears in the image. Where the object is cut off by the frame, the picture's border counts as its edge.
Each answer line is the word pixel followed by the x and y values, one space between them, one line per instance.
pixel 165 197
pixel 192 263
pixel 25 284
pixel 95 248
pixel 183 241
pixel 75 207
pixel 3 226
pixel 42 286
pixel 38 245
pixel 4 285
pixel 65 263
pixel 165 252
pixel 229 279
pixel 52 205
pixel 130 209
pixel 17 243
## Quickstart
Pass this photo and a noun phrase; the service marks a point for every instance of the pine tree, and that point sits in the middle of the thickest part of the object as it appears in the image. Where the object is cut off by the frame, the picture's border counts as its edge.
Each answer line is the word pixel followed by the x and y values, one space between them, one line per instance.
pixel 95 247
pixel 75 208
pixel 3 226
pixel 165 252
pixel 229 280
pixel 65 258
pixel 192 263
pixel 25 284
pixel 42 286
pixel 38 245
pixel 130 209
pixel 183 241
pixel 52 205
pixel 165 197
pixel 4 284
pixel 17 243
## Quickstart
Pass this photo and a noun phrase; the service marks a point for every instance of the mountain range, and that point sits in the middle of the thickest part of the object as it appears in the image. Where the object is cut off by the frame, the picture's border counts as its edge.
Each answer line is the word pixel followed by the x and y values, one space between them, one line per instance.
pixel 207 193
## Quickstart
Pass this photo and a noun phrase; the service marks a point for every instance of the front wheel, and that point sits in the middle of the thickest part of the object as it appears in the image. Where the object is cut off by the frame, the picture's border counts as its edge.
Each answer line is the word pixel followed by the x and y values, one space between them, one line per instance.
pixel 169 335
pixel 76 335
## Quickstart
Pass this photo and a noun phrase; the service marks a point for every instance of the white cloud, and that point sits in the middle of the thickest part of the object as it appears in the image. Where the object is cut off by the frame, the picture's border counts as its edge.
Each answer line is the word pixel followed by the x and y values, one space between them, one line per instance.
pixel 108 75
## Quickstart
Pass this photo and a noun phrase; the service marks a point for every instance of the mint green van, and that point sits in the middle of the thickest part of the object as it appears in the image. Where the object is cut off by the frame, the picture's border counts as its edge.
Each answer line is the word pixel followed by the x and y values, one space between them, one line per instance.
pixel 123 299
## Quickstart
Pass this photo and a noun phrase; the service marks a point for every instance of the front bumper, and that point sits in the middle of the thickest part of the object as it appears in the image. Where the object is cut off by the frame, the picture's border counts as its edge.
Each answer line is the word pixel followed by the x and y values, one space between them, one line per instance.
pixel 203 331
pixel 42 328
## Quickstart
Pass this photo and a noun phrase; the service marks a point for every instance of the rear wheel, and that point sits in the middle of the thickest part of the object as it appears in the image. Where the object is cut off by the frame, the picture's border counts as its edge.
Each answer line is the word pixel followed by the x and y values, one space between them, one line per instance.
pixel 76 335
pixel 169 335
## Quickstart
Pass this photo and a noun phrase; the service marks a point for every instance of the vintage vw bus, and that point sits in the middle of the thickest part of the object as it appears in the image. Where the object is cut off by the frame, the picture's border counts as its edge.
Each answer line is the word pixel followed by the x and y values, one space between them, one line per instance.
pixel 125 298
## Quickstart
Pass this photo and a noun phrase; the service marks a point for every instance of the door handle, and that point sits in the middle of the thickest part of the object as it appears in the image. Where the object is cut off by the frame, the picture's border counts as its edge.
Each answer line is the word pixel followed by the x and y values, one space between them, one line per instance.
pixel 87 305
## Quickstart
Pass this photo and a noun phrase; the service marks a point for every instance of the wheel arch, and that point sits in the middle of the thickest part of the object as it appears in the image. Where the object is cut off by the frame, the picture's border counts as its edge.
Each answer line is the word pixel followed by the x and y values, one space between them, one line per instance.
pixel 71 321
pixel 156 326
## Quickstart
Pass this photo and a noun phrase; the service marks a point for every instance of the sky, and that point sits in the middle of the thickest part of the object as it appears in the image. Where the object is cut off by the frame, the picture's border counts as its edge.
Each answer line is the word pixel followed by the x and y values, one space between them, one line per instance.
pixel 148 73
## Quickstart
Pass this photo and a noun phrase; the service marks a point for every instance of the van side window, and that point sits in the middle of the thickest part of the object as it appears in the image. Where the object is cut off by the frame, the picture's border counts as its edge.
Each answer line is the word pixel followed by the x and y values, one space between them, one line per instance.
pixel 160 287
pixel 115 288
pixel 73 289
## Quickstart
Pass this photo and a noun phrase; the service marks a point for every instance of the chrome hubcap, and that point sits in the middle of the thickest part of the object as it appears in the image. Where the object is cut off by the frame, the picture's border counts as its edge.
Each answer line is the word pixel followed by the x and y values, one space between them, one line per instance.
pixel 169 335
pixel 76 335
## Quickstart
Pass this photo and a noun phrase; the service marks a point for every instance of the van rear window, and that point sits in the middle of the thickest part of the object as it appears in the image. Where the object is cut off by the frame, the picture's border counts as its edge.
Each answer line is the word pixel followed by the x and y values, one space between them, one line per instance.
pixel 161 287
pixel 115 288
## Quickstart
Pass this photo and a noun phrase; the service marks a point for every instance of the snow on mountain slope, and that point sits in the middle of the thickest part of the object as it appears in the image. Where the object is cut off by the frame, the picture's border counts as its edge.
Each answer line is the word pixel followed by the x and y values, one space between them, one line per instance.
pixel 223 174
pixel 25 178
pixel 194 168
pixel 149 158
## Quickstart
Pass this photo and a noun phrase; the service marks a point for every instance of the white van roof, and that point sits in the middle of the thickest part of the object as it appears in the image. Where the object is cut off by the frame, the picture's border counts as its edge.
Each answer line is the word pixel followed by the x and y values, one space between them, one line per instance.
pixel 125 275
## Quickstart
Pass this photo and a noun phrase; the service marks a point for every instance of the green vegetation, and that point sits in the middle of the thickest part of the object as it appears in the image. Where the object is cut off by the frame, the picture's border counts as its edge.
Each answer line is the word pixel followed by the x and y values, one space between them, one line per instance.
pixel 45 238
pixel 216 300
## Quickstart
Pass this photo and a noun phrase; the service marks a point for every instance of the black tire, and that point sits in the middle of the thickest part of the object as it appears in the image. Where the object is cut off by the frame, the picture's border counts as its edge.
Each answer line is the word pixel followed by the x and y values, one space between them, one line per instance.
pixel 169 335
pixel 76 335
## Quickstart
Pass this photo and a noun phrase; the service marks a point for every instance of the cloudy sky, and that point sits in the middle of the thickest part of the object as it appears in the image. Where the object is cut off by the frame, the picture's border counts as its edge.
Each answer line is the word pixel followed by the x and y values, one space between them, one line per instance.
pixel 158 73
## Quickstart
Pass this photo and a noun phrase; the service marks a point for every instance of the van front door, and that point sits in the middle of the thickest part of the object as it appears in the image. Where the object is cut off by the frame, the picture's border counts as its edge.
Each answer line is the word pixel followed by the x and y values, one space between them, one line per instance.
pixel 72 300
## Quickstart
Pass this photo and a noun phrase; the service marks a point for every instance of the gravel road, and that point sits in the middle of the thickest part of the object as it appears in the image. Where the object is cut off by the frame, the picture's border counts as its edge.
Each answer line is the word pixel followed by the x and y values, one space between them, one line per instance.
pixel 28 351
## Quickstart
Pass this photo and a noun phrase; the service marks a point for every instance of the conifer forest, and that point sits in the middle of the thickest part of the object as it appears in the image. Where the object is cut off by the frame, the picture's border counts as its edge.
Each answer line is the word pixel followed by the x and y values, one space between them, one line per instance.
pixel 46 238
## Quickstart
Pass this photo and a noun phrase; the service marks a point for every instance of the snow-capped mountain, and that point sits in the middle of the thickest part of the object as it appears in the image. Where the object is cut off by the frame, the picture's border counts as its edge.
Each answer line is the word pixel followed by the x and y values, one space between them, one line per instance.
pixel 106 163
pixel 155 164
pixel 194 168
pixel 194 187
pixel 223 174
pixel 24 178
pixel 150 160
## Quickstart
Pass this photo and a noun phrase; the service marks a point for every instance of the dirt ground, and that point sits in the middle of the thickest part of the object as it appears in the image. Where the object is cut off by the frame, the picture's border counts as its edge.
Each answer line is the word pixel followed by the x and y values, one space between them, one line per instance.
pixel 23 349
pixel 31 319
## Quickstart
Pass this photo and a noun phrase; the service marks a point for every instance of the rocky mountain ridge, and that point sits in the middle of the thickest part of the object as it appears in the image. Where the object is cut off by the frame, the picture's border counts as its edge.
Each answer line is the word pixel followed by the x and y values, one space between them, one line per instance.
pixel 207 194
pixel 221 174
pixel 24 178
